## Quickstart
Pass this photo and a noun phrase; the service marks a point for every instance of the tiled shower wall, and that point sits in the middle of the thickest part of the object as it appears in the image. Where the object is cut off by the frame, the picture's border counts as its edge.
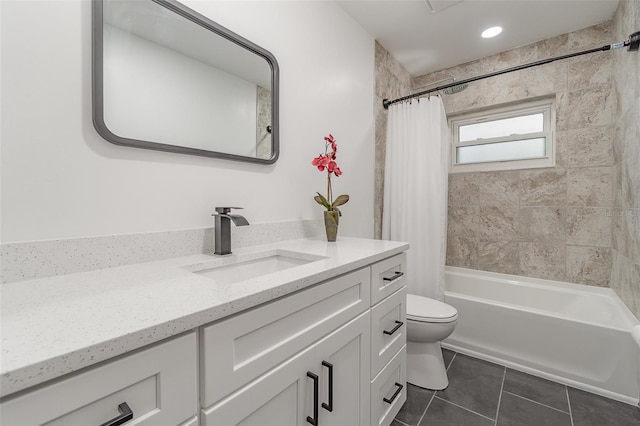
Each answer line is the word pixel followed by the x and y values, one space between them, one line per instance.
pixel 553 223
pixel 625 274
pixel 392 81
pixel 579 221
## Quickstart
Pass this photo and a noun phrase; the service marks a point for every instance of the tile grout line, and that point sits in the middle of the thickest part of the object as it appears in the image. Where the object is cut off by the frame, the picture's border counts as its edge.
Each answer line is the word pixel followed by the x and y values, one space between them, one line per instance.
pixel 451 362
pixel 432 396
pixel 504 375
pixel 435 391
pixel 566 388
pixel 464 408
pixel 426 408
pixel 536 402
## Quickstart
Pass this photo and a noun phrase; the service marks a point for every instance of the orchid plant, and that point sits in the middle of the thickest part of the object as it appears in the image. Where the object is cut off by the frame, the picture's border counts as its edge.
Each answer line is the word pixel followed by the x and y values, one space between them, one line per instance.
pixel 327 161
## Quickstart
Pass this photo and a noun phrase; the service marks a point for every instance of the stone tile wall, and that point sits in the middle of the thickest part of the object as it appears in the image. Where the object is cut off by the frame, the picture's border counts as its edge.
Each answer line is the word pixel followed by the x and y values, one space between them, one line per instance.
pixel 392 81
pixel 553 223
pixel 625 273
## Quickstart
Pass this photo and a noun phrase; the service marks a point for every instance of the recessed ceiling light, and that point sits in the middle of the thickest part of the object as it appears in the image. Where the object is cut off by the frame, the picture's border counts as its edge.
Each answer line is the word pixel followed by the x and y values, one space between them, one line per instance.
pixel 491 32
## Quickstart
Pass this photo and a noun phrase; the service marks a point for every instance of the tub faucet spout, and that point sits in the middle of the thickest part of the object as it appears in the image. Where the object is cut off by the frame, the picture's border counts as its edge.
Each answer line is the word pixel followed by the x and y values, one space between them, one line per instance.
pixel 222 229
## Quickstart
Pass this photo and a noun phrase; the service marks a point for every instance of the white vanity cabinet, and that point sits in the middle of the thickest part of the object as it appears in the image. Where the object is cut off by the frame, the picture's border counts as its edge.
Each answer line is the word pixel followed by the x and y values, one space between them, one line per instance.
pixel 158 384
pixel 239 349
pixel 281 371
pixel 302 359
pixel 325 384
pixel 388 339
pixel 329 354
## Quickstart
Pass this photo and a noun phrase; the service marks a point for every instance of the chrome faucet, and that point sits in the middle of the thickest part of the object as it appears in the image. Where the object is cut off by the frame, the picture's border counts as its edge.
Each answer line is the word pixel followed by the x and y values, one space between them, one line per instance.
pixel 223 228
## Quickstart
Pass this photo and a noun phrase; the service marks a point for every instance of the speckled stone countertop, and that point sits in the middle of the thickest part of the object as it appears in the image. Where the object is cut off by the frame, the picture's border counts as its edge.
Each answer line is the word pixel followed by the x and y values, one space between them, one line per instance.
pixel 57 325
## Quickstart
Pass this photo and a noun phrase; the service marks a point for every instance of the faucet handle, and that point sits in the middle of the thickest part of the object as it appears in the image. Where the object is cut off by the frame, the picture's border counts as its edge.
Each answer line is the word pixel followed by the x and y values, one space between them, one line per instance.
pixel 227 210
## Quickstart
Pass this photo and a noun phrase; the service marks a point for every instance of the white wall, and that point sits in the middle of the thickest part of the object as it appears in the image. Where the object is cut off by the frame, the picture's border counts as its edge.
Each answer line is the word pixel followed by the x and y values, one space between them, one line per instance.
pixel 61 179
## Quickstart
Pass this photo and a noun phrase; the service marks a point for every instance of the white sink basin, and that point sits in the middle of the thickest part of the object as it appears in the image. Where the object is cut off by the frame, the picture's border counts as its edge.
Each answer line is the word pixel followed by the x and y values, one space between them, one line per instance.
pixel 241 268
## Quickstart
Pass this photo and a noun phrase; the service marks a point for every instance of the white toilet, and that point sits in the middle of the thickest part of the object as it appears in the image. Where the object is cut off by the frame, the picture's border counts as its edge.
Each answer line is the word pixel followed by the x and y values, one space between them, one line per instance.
pixel 428 322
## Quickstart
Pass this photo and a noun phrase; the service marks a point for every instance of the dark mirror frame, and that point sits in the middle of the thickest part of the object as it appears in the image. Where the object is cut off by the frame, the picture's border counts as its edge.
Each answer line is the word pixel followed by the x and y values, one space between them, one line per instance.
pixel 203 21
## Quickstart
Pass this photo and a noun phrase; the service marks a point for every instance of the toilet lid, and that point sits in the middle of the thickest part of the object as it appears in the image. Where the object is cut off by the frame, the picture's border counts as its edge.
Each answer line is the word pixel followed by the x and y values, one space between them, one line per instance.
pixel 423 309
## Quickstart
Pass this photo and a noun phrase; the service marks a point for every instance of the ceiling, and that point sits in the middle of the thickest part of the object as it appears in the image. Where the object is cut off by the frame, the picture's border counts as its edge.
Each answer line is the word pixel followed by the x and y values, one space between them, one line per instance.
pixel 429 35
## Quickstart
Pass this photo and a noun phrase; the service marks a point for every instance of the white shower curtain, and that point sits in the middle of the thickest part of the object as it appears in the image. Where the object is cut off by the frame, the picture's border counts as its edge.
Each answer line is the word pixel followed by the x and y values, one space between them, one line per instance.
pixel 415 190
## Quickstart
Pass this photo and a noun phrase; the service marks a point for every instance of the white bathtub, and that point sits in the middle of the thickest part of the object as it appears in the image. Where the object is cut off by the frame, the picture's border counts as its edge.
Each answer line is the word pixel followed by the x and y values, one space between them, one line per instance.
pixel 573 334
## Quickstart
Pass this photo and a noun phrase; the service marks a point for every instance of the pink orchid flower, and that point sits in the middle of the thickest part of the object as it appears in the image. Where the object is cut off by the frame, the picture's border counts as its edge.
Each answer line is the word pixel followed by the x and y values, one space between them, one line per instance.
pixel 321 162
pixel 328 161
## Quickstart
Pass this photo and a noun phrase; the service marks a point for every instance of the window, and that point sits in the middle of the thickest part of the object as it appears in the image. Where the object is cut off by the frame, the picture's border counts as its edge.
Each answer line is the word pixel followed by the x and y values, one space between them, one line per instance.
pixel 515 137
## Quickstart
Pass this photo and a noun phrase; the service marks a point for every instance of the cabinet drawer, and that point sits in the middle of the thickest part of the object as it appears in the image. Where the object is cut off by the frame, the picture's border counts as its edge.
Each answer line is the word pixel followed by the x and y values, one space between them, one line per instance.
pixel 389 390
pixel 387 277
pixel 388 329
pixel 159 384
pixel 241 348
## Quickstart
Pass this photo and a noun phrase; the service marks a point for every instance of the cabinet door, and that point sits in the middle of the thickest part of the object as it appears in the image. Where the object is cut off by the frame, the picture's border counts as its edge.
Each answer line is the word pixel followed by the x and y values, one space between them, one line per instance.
pixel 343 361
pixel 281 397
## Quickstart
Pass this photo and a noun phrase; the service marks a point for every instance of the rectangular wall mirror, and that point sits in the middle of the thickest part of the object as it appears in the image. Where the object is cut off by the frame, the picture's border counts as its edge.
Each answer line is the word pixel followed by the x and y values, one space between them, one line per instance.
pixel 168 78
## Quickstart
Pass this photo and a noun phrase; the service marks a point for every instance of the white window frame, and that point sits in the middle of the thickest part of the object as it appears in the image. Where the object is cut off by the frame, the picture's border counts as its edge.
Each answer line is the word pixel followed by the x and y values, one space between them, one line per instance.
pixel 544 106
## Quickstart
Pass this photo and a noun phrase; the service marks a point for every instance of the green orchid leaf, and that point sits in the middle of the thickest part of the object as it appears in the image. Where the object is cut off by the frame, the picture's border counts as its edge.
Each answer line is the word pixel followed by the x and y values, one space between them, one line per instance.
pixel 319 201
pixel 342 199
pixel 322 201
pixel 322 197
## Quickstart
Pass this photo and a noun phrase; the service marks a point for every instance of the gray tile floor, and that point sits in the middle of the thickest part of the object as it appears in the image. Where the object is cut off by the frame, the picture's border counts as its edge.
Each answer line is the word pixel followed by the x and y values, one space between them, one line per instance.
pixel 481 393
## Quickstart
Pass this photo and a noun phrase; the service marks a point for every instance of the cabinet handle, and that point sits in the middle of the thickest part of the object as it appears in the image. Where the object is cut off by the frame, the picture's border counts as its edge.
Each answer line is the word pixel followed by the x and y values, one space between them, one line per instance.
pixel 394 329
pixel 329 406
pixel 395 395
pixel 125 415
pixel 394 277
pixel 314 420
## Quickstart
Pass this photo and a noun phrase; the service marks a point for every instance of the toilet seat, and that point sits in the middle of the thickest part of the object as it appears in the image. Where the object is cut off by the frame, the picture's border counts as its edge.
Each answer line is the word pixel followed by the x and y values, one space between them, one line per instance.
pixel 424 309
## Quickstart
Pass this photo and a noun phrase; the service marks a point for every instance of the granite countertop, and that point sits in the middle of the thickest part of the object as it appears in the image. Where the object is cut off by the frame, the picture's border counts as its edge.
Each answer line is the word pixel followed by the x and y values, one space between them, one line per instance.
pixel 57 325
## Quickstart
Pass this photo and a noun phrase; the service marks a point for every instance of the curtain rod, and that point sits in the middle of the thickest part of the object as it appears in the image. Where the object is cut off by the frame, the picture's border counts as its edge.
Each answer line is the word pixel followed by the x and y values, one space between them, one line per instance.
pixel 633 42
